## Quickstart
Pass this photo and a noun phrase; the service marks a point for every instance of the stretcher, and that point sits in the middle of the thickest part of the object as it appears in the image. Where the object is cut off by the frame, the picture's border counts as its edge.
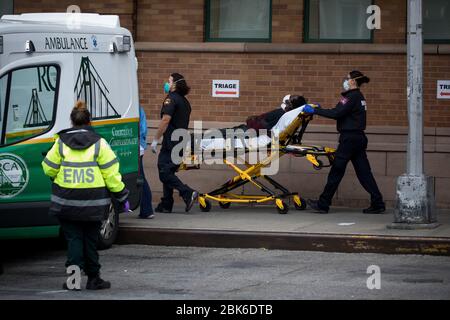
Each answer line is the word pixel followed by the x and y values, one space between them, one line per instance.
pixel 289 130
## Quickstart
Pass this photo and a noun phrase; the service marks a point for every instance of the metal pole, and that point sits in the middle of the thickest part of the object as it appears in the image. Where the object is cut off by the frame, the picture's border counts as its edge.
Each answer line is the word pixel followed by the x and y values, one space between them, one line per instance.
pixel 415 89
pixel 415 192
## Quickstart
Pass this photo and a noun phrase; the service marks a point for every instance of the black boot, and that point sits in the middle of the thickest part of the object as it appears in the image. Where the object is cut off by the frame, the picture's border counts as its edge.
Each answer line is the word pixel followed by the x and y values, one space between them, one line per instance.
pixel 314 204
pixel 375 209
pixel 97 283
pixel 160 208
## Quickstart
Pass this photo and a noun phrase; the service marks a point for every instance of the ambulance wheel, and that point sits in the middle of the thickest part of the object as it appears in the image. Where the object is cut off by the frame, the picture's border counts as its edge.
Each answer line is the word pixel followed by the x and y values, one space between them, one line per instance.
pixel 282 207
pixel 206 207
pixel 225 205
pixel 109 230
pixel 319 167
pixel 302 205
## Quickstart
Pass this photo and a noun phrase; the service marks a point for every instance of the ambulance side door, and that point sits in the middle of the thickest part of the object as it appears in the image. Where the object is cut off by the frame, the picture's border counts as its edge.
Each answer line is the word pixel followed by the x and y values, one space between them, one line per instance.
pixel 29 93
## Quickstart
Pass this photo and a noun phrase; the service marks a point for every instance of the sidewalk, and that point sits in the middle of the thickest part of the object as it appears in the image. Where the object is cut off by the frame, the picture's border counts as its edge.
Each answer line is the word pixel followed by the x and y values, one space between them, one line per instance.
pixel 343 230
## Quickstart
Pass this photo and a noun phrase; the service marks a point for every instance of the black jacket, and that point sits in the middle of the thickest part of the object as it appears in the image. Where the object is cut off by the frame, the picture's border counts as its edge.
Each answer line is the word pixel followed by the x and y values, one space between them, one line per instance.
pixel 350 112
pixel 179 109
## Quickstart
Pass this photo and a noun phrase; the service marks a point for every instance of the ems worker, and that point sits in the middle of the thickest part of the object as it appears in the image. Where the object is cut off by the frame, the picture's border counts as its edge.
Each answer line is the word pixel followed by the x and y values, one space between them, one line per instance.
pixel 175 113
pixel 85 173
pixel 350 114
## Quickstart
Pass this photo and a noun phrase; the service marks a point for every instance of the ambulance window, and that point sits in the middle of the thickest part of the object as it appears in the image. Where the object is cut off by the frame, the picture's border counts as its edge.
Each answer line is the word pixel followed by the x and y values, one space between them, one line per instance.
pixel 31 106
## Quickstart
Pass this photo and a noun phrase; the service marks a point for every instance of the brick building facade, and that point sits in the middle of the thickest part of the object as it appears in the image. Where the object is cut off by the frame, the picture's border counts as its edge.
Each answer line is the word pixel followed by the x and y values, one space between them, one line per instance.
pixel 170 37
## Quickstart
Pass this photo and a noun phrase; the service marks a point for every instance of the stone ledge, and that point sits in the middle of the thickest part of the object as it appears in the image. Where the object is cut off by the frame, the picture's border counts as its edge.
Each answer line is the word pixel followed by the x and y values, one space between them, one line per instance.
pixel 320 48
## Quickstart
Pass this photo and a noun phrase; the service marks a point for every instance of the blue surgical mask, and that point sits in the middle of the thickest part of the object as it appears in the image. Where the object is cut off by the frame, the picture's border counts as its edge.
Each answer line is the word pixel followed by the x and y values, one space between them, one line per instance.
pixel 166 87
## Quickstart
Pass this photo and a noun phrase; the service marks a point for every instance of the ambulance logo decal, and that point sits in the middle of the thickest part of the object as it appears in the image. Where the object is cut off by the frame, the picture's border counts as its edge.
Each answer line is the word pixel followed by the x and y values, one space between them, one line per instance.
pixel 91 89
pixel 14 175
pixel 94 41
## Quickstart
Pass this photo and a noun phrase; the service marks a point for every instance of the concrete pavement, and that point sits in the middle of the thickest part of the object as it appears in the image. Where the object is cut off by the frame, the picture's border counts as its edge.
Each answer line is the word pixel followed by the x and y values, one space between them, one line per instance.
pixel 342 230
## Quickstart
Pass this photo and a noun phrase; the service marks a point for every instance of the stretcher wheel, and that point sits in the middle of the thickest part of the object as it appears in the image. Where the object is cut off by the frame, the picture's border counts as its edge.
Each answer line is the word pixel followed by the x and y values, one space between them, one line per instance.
pixel 204 205
pixel 282 207
pixel 225 205
pixel 319 167
pixel 299 203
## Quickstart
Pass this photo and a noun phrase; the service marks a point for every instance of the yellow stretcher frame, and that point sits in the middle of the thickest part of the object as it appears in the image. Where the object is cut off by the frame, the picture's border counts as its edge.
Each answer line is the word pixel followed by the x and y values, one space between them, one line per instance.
pixel 289 143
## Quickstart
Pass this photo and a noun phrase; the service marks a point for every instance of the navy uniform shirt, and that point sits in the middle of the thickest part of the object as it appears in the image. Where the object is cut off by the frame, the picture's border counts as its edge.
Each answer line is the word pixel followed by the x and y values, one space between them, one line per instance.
pixel 179 108
pixel 350 112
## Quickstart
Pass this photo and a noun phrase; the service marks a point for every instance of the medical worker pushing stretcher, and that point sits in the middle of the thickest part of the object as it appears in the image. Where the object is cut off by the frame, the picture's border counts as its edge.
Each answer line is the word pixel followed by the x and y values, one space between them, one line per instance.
pixel 350 114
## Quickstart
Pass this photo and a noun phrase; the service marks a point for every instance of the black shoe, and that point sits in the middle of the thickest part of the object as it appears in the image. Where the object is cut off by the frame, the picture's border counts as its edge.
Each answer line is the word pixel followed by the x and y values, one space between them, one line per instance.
pixel 97 283
pixel 161 209
pixel 190 201
pixel 65 287
pixel 314 204
pixel 374 210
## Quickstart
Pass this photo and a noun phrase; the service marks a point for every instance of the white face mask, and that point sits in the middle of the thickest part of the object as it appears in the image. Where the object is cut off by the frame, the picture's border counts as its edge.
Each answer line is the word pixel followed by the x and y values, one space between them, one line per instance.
pixel 346 85
pixel 286 98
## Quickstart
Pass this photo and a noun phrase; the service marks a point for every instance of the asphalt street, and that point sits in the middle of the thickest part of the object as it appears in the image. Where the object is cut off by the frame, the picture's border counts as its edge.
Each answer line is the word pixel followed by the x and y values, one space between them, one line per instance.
pixel 35 270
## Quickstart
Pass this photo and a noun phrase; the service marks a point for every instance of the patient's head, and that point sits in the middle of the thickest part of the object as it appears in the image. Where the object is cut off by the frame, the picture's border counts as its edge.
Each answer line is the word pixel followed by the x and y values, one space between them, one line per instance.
pixel 294 102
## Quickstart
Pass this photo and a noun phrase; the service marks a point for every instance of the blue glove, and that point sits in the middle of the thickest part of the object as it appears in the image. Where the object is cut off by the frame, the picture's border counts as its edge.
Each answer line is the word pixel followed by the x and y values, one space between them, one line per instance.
pixel 308 109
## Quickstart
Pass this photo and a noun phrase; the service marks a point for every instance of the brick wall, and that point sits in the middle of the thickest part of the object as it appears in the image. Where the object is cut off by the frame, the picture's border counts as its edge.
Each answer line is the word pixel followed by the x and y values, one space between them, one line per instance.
pixel 123 8
pixel 170 20
pixel 393 22
pixel 266 78
pixel 287 21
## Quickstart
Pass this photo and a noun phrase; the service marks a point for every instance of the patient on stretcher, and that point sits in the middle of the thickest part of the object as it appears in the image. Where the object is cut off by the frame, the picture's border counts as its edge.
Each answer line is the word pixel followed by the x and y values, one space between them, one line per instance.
pixel 269 119
pixel 263 126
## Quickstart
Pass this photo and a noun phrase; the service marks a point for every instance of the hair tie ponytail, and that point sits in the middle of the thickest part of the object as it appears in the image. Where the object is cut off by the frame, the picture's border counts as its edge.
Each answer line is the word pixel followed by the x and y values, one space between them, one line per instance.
pixel 80 115
pixel 79 105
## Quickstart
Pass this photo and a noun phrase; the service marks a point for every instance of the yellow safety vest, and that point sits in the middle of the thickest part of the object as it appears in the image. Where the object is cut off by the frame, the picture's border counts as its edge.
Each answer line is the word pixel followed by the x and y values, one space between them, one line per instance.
pixel 95 168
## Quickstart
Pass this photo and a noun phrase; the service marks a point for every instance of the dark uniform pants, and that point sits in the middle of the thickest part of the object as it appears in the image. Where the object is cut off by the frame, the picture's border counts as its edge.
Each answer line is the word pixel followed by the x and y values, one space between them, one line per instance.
pixel 82 238
pixel 352 147
pixel 169 180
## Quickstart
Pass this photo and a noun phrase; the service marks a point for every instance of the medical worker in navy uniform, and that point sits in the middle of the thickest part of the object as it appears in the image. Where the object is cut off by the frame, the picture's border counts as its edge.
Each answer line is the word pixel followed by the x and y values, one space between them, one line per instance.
pixel 350 114
pixel 175 114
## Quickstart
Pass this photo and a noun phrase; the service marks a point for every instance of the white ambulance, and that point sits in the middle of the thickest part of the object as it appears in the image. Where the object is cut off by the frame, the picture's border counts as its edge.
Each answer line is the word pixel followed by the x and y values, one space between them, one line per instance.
pixel 47 62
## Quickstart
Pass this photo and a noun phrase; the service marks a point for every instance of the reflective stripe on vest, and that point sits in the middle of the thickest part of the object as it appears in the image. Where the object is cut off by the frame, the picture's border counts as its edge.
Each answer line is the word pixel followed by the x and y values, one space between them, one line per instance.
pixel 80 203
pixel 51 164
pixel 109 164
pixel 79 164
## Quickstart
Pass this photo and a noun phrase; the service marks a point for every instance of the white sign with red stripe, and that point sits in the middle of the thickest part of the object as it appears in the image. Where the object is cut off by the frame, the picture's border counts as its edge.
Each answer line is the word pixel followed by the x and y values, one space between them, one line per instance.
pixel 443 89
pixel 225 88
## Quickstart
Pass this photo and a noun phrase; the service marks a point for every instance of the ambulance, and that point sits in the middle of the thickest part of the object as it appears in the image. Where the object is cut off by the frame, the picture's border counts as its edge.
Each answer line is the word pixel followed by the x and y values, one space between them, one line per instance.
pixel 47 62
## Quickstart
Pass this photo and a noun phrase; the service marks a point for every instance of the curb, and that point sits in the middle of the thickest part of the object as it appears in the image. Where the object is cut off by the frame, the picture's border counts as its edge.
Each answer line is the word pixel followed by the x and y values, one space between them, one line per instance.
pixel 285 241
